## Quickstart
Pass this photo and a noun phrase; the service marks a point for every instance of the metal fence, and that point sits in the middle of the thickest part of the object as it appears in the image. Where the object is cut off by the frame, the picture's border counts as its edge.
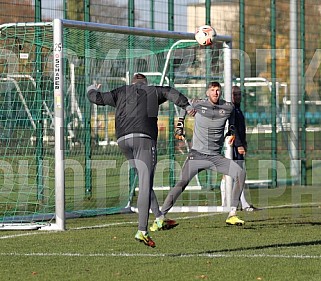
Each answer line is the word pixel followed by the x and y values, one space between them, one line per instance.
pixel 276 60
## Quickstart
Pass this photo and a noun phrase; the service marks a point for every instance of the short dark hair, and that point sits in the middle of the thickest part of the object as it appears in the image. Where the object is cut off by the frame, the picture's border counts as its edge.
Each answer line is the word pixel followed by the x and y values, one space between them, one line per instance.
pixel 236 89
pixel 214 84
pixel 139 77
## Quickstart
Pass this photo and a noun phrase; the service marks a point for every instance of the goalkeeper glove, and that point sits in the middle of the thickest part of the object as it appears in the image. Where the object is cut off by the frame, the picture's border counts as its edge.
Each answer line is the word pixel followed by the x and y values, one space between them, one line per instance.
pixel 179 132
pixel 231 140
pixel 231 134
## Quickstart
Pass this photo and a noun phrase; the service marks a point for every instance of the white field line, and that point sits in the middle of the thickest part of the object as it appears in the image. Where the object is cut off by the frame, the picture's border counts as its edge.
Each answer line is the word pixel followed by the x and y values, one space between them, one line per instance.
pixel 103 225
pixel 217 255
pixel 22 234
pixel 293 205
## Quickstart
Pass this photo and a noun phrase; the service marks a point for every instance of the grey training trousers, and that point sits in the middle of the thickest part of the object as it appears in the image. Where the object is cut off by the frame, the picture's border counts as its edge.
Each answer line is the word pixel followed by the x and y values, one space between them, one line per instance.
pixel 141 153
pixel 197 162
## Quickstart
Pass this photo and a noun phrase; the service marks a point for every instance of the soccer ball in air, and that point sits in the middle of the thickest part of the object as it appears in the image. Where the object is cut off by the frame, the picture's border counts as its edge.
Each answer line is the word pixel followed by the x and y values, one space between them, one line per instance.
pixel 204 35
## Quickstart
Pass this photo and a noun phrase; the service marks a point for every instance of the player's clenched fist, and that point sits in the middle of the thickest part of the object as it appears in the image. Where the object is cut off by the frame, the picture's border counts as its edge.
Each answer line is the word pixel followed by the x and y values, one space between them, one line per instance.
pixel 179 131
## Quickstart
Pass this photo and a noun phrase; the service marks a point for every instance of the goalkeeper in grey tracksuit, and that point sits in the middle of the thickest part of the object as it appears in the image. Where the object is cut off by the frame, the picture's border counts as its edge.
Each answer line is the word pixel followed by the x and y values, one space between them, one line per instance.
pixel 208 139
pixel 136 131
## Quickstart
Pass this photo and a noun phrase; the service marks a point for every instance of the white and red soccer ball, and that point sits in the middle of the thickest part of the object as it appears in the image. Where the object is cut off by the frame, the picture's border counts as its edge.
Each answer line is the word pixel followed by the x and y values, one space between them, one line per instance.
pixel 204 35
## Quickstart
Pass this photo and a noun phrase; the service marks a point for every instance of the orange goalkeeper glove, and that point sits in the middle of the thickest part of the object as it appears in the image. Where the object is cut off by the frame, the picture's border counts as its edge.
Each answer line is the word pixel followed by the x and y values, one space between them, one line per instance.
pixel 231 140
pixel 231 134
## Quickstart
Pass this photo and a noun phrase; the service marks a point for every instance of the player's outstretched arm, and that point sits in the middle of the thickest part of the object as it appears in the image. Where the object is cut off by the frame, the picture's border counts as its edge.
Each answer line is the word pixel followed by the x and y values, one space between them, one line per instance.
pixel 94 95
pixel 97 97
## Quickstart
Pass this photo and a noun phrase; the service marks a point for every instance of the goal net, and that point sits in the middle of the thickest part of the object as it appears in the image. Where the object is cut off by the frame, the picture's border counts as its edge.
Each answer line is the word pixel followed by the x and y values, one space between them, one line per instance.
pixel 59 155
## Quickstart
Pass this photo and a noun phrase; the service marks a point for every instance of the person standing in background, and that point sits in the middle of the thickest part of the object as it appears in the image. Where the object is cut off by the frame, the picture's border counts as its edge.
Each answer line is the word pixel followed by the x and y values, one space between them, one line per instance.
pixel 239 147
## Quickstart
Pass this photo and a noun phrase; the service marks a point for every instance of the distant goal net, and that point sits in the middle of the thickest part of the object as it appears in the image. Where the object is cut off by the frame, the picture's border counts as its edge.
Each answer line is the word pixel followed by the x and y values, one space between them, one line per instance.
pixel 59 155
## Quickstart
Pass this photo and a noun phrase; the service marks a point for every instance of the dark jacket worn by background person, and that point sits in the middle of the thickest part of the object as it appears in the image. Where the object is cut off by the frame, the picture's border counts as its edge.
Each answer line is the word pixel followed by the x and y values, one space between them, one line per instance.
pixel 137 106
pixel 240 133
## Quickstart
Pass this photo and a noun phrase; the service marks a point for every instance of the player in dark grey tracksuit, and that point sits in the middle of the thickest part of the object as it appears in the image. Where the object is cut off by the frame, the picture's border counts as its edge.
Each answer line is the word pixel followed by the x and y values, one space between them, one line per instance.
pixel 136 131
pixel 208 139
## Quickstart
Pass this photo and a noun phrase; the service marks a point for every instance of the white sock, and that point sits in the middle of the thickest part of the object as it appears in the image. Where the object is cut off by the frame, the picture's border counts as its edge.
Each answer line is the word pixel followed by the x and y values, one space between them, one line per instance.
pixel 143 232
pixel 223 192
pixel 232 212
pixel 162 217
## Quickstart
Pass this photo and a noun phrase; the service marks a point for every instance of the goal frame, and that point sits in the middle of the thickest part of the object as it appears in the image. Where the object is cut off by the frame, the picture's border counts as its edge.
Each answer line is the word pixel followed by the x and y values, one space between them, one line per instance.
pixel 58 25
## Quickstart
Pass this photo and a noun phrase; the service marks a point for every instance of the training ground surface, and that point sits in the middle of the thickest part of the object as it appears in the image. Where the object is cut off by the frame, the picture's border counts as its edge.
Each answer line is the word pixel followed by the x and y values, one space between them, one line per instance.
pixel 281 242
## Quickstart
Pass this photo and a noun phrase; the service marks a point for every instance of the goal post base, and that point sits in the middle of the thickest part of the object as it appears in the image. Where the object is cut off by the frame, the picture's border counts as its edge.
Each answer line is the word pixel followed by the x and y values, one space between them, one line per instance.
pixel 51 227
pixel 19 226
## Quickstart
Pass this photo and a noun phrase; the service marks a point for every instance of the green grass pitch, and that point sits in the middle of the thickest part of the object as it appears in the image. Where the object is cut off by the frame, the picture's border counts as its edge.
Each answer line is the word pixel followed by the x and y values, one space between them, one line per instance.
pixel 281 242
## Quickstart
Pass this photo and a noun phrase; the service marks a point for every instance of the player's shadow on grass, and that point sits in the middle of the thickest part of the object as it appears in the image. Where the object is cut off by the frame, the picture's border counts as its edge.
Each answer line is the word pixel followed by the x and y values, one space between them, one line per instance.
pixel 262 247
pixel 277 225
